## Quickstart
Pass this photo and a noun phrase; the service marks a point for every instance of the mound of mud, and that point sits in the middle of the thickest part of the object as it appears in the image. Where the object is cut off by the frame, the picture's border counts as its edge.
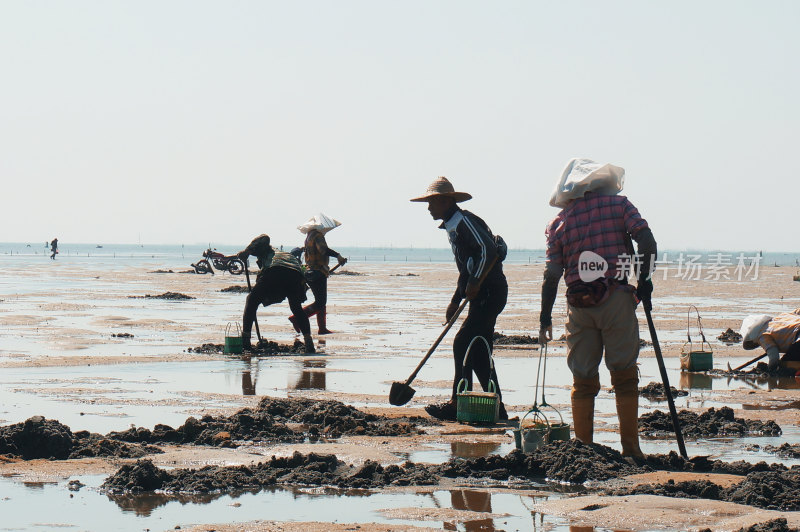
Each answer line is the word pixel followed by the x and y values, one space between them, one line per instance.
pixel 655 390
pixel 400 274
pixel 46 438
pixel 563 461
pixel 161 271
pixel 773 490
pixel 502 339
pixel 785 450
pixel 174 296
pixel 776 525
pixel 690 489
pixel 236 289
pixel 347 272
pixel 269 423
pixel 265 347
pixel 307 470
pixel 730 337
pixel 86 445
pixel 710 423
pixel 37 437
pixel 121 335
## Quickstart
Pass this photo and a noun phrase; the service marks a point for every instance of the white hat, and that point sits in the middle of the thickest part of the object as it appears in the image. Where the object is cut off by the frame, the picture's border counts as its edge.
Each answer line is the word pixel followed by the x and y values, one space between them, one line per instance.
pixel 752 327
pixel 320 222
pixel 584 175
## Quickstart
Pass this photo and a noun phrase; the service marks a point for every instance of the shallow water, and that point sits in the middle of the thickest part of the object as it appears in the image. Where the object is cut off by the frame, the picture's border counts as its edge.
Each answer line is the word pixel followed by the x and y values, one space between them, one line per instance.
pixel 88 509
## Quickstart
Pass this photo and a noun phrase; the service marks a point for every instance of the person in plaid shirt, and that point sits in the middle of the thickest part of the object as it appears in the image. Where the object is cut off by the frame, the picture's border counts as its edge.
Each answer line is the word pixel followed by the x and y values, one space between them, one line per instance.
pixel 777 335
pixel 584 243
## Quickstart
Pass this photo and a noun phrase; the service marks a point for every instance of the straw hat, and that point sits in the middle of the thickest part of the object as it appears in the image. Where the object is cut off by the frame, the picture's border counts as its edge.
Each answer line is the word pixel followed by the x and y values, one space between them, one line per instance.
pixel 442 187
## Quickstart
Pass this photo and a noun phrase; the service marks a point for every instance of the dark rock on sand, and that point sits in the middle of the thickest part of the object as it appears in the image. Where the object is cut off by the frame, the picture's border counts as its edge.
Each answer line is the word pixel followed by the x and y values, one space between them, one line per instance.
pixel 713 422
pixel 776 525
pixel 37 437
pixel 502 339
pixel 236 289
pixel 266 347
pixel 730 336
pixel 175 296
pixel 655 390
pixel 268 423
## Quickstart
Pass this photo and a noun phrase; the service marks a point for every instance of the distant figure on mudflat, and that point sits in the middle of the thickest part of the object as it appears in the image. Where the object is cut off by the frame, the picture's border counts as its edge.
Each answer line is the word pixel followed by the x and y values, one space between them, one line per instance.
pixel 317 255
pixel 54 248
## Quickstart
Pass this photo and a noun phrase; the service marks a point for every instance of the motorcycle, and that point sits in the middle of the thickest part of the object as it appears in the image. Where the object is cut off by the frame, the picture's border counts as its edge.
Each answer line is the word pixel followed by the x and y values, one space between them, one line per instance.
pixel 232 264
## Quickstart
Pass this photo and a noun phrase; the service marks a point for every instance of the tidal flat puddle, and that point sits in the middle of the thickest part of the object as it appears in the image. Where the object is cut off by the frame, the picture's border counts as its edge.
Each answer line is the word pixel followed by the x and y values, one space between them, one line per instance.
pixel 52 505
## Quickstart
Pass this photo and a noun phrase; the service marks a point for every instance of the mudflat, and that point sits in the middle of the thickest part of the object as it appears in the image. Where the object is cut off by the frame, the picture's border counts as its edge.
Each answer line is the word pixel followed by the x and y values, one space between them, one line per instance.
pixel 147 428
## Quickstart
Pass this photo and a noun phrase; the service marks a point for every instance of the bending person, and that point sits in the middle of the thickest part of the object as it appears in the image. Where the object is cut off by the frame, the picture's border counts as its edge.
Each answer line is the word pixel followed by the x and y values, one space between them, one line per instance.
pixel 777 335
pixel 280 277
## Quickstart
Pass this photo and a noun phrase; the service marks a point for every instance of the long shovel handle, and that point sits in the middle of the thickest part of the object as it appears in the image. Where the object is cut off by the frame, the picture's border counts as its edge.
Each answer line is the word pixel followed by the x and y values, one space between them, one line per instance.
pixel 449 324
pixel 756 359
pixel 667 390
pixel 250 289
pixel 437 342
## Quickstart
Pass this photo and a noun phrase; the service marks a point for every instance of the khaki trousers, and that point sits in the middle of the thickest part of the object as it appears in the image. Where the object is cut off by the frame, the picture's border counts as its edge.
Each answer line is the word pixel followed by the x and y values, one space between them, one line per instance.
pixel 612 326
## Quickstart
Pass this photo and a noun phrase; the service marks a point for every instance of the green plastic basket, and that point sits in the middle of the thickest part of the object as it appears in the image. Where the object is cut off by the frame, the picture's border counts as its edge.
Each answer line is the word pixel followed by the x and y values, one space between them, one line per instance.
pixel 233 344
pixel 477 407
pixel 696 359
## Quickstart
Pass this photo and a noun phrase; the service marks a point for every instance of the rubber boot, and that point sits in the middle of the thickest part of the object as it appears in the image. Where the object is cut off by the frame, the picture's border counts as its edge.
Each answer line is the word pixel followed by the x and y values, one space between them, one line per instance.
pixel 583 393
pixel 309 344
pixel 321 318
pixel 626 390
pixel 294 324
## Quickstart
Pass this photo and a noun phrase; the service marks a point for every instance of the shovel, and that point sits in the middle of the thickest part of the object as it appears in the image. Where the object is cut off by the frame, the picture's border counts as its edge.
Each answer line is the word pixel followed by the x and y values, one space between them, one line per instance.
pixel 759 357
pixel 657 348
pixel 402 392
pixel 250 289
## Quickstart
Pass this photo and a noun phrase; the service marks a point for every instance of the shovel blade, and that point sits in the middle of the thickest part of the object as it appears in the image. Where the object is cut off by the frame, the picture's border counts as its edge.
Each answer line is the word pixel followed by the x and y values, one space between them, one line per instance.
pixel 401 393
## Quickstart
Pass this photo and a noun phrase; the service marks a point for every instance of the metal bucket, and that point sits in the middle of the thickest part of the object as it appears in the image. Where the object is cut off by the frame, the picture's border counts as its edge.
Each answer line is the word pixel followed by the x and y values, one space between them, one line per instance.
pixel 540 431
pixel 696 359
pixel 233 344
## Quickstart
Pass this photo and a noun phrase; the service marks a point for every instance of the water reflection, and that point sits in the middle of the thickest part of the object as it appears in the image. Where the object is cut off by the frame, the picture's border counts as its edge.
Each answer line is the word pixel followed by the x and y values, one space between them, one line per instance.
pixel 249 377
pixel 465 449
pixel 692 380
pixel 472 501
pixel 309 378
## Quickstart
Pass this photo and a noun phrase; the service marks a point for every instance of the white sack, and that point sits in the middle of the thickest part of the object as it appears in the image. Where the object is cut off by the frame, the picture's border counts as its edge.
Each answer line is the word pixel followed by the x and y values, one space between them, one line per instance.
pixel 752 327
pixel 320 222
pixel 584 175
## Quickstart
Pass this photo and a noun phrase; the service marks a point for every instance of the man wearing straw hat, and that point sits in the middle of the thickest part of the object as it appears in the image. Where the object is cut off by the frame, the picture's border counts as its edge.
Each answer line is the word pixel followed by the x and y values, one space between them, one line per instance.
pixel 317 255
pixel 586 243
pixel 280 277
pixel 475 250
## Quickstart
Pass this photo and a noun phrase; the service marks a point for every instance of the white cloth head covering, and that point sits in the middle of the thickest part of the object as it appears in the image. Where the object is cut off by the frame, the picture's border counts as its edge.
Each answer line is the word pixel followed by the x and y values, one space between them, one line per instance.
pixel 320 222
pixel 752 326
pixel 584 175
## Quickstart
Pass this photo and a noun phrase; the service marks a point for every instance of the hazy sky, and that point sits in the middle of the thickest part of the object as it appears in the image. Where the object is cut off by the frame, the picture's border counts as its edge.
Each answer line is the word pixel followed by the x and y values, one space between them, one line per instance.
pixel 195 121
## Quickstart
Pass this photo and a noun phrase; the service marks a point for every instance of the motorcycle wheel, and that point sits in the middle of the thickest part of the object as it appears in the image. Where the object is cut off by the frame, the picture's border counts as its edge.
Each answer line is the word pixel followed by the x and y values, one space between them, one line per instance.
pixel 202 266
pixel 236 267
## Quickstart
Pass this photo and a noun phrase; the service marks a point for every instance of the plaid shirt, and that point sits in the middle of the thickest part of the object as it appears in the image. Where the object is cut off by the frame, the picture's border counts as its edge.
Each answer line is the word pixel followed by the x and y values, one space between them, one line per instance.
pixel 317 252
pixel 595 222
pixel 782 331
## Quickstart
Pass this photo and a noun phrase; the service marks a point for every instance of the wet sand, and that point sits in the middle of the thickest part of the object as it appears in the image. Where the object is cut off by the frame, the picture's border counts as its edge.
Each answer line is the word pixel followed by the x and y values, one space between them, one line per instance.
pixel 58 358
